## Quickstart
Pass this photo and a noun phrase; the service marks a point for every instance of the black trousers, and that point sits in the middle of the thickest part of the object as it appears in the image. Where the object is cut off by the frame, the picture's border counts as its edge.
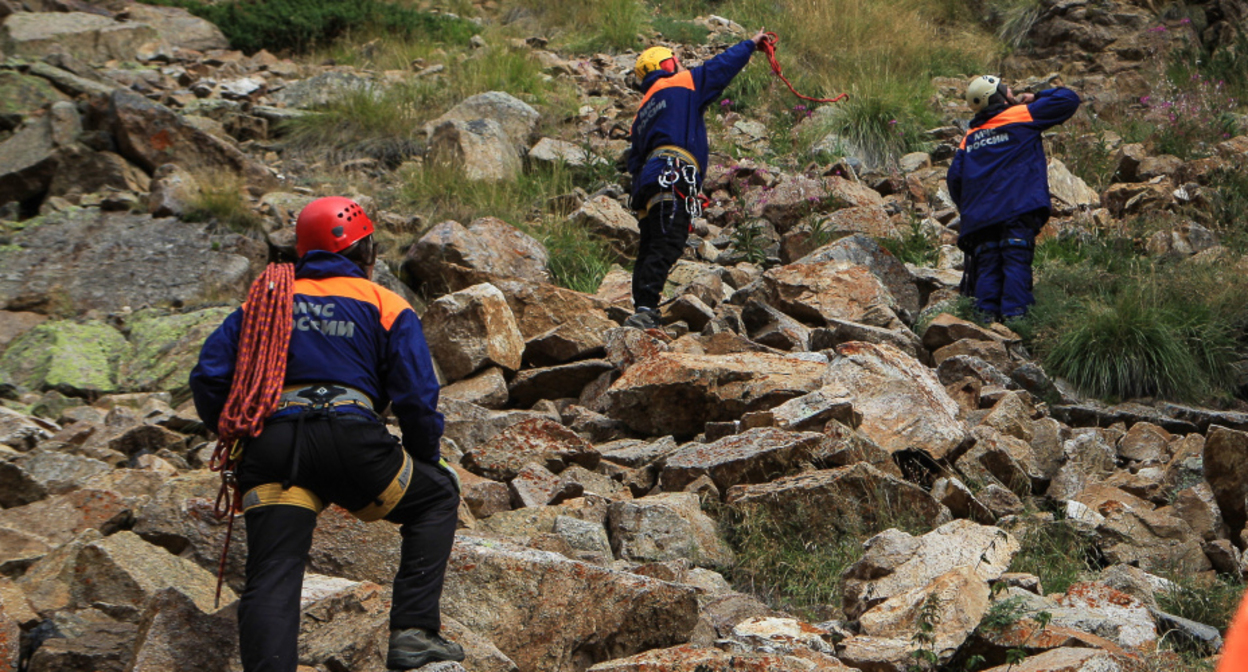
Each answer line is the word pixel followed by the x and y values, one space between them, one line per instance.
pixel 664 232
pixel 348 460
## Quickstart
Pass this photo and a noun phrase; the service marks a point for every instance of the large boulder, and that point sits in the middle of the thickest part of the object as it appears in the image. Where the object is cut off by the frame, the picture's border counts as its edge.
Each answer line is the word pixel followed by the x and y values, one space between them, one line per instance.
pixel 473 329
pixel 480 148
pixel 903 404
pixel 43 472
pixel 126 571
pixel 540 441
pixel 70 357
pixel 22 94
pixel 896 563
pixel 605 217
pixel 666 526
pixel 675 393
pixel 178 633
pixel 84 171
pixel 489 245
pixel 166 348
pixel 960 597
pixel 152 135
pixel 854 499
pixel 821 293
pixel 84 36
pixel 1225 461
pixel 754 456
pixel 573 614
pixel 28 162
pixel 516 119
pixel 87 259
pixel 693 658
pixel 865 251
pixel 179 28
pixel 179 517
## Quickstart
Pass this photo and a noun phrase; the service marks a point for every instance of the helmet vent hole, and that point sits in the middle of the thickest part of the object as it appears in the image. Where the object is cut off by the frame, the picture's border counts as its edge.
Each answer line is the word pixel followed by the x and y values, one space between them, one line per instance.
pixel 338 231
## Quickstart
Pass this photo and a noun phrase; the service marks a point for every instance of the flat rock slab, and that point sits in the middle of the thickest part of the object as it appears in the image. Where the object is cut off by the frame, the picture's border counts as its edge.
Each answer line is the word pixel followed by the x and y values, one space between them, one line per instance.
pixel 692 658
pixel 549 613
pixel 88 260
pixel 903 404
pixel 89 37
pixel 666 526
pixel 540 441
pixel 675 393
pixel 556 382
pixel 754 456
pixel 854 499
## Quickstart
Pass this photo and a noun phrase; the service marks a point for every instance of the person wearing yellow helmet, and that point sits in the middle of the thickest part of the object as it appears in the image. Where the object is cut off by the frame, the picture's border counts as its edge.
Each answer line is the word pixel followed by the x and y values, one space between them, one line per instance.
pixel 668 157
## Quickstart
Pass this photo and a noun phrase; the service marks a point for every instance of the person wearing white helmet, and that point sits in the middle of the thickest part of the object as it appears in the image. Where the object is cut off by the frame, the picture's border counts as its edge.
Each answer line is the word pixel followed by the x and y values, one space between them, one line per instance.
pixel 999 182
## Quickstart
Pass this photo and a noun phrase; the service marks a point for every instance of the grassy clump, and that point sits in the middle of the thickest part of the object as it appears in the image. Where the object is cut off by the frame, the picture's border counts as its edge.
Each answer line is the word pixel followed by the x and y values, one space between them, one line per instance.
pixel 1227 212
pixel 683 32
pixel 916 246
pixel 797 566
pixel 883 54
pixel 300 25
pixel 1056 553
pixel 1119 327
pixel 386 122
pixel 577 258
pixel 588 26
pixel 222 200
pixel 1208 600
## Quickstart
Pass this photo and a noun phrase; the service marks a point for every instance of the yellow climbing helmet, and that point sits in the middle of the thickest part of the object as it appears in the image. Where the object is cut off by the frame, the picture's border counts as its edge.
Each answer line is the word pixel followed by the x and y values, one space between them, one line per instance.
pixel 651 60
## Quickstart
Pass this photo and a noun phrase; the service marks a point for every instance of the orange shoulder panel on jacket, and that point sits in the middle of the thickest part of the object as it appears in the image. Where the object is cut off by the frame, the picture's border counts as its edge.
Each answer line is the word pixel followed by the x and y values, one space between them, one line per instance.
pixel 683 80
pixel 389 304
pixel 1235 649
pixel 1019 114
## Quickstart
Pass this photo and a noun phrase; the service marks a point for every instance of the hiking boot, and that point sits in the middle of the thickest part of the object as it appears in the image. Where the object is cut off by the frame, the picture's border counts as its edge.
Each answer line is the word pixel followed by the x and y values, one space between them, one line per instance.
pixel 414 647
pixel 644 318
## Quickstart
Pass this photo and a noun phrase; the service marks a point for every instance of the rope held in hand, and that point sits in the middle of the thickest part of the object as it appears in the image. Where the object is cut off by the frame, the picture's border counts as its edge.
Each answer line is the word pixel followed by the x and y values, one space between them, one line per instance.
pixel 768 46
pixel 259 371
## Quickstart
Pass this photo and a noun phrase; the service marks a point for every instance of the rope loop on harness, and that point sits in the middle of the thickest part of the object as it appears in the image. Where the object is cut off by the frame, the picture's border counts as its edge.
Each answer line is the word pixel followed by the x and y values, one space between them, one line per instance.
pixel 259 371
pixel 768 46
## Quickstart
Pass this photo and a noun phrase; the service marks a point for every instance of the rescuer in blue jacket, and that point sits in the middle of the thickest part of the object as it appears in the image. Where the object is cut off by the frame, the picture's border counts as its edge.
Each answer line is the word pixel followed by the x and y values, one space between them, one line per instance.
pixel 355 347
pixel 999 181
pixel 668 159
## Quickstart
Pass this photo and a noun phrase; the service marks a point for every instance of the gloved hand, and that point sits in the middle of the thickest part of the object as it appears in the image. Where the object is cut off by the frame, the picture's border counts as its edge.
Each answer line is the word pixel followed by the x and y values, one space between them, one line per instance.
pixel 450 470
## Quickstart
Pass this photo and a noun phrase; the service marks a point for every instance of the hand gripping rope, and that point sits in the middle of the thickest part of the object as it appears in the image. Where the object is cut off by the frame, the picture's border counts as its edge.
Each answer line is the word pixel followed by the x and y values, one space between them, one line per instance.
pixel 768 46
pixel 259 372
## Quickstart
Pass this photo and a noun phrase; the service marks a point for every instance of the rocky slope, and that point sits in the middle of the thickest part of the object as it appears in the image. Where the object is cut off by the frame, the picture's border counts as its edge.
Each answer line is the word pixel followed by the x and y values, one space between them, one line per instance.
pixel 602 466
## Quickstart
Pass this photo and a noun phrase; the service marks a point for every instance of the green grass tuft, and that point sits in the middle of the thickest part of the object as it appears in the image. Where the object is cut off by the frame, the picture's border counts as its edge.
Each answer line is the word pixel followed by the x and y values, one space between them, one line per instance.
pixel 300 25
pixel 1056 553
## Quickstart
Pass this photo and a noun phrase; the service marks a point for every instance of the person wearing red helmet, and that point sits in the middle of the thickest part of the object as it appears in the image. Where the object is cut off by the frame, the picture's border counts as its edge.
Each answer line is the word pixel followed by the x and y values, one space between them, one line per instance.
pixel 355 347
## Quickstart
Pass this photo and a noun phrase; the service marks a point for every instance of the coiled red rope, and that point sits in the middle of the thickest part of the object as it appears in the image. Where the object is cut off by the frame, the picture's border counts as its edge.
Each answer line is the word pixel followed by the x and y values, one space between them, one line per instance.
pixel 768 46
pixel 259 371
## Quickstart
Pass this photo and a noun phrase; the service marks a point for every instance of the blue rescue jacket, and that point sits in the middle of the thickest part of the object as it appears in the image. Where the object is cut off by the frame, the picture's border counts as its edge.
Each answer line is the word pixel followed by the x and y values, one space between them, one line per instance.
pixel 671 113
pixel 1000 171
pixel 347 331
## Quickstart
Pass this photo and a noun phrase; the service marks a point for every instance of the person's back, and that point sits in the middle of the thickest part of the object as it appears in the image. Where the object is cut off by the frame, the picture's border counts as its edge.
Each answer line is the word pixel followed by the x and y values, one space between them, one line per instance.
pixel 999 181
pixel 668 159
pixel 355 347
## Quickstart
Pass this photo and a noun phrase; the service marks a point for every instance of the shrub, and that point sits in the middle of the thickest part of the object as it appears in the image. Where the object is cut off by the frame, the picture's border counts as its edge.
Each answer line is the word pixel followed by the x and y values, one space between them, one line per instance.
pixel 579 260
pixel 593 25
pixel 1056 553
pixel 683 32
pixel 222 200
pixel 1119 327
pixel 1189 116
pixel 299 25
pixel 1227 212
pixel 1211 601
pixel 916 246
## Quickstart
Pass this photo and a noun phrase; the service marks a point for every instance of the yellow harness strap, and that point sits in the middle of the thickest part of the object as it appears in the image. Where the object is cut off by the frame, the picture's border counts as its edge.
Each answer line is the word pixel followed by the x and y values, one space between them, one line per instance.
pixel 272 494
pixel 389 498
pixel 675 152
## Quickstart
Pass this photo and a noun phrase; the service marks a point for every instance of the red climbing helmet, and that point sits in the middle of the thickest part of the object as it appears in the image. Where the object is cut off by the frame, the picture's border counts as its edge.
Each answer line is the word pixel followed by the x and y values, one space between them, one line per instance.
pixel 332 224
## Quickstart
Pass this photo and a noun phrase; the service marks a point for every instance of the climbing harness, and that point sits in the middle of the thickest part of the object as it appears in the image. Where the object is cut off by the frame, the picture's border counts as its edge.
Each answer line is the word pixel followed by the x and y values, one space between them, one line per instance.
pixel 678 183
pixel 768 46
pixel 259 371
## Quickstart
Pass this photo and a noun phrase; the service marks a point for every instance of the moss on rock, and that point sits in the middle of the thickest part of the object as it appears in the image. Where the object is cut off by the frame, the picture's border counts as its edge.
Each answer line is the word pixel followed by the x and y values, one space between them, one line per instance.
pixel 166 347
pixel 74 358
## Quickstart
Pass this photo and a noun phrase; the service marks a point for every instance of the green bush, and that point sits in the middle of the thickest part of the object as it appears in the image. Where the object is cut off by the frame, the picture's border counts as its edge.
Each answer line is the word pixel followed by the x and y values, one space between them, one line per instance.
pixel 1117 326
pixel 1057 553
pixel 300 25
pixel 684 32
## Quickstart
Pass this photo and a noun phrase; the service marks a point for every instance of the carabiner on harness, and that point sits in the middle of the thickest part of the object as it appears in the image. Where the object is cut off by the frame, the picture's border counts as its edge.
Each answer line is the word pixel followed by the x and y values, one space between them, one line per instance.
pixel 670 175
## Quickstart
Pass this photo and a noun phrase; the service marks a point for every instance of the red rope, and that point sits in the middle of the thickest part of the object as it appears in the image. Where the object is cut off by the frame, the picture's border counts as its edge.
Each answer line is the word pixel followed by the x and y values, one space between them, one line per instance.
pixel 768 46
pixel 259 371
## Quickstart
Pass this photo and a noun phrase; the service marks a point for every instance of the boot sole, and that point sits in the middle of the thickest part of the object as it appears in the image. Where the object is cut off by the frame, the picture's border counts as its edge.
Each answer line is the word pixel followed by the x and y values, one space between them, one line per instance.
pixel 411 662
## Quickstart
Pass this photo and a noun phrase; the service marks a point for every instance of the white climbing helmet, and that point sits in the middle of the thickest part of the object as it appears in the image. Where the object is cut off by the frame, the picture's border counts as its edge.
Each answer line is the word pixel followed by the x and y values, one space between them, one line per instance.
pixel 980 90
